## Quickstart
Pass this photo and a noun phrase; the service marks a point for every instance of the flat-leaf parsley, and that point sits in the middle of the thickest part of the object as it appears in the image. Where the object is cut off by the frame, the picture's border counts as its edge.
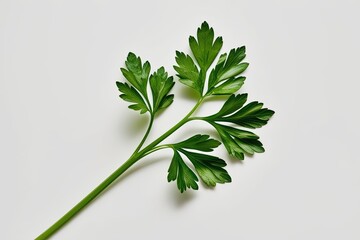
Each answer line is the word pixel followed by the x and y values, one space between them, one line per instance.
pixel 150 92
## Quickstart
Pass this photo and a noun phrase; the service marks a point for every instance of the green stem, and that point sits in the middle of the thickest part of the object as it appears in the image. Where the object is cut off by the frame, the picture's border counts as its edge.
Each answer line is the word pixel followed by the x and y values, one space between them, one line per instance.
pixel 171 130
pixel 146 134
pixel 157 148
pixel 196 118
pixel 91 196
pixel 109 180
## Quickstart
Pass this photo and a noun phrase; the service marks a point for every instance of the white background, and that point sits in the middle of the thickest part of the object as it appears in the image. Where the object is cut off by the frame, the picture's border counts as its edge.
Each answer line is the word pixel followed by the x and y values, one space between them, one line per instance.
pixel 63 128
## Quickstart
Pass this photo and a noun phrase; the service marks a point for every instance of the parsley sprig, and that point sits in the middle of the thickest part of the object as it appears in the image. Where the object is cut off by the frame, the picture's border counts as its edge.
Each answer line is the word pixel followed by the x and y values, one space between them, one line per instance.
pixel 150 92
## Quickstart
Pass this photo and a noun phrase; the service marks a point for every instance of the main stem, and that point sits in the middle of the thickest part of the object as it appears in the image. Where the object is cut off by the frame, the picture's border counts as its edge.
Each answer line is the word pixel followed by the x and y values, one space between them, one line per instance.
pixel 93 194
pixel 118 172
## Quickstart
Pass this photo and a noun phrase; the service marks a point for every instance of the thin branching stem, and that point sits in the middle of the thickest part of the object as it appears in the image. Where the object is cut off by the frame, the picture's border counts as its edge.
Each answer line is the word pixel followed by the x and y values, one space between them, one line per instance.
pixel 152 147
pixel 146 134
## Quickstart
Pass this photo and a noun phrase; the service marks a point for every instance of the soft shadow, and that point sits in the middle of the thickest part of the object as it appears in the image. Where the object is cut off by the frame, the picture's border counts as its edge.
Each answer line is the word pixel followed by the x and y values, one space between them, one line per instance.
pixel 206 187
pixel 207 129
pixel 180 199
pixel 188 93
pixel 234 160
pixel 142 164
pixel 136 167
pixel 135 124
pixel 133 169
pixel 249 155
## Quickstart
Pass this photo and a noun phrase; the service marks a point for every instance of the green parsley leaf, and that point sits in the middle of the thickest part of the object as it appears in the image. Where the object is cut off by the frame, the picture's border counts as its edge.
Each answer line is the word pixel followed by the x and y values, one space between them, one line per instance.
pixel 210 169
pixel 138 76
pixel 204 48
pixel 228 87
pixel 252 115
pixel 225 78
pixel 187 71
pixel 237 141
pixel 233 103
pixel 130 94
pixel 228 69
pixel 199 142
pixel 179 171
pixel 136 73
pixel 161 85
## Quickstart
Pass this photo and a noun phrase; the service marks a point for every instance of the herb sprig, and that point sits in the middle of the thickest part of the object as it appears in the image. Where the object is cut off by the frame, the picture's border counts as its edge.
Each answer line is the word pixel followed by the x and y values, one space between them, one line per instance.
pixel 149 93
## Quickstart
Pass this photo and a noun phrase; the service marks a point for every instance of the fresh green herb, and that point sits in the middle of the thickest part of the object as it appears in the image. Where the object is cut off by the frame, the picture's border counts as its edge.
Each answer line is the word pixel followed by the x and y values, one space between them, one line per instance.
pixel 229 122
pixel 209 168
